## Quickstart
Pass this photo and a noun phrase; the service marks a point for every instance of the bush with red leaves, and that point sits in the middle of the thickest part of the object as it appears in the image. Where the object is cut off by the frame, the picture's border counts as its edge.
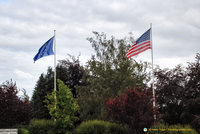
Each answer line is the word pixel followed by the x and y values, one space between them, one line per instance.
pixel 134 109
pixel 13 109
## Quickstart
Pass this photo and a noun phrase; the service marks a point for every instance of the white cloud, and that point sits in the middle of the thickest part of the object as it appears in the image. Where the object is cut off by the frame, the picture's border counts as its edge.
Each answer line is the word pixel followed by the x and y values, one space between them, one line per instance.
pixel 22 75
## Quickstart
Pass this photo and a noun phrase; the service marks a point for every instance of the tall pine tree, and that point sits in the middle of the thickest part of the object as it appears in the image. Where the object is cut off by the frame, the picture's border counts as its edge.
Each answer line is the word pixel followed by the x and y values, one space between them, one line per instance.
pixel 43 87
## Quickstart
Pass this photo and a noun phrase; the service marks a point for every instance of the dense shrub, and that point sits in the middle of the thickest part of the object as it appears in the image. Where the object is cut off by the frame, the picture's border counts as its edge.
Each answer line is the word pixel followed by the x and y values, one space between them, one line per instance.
pixel 99 127
pixel 134 109
pixel 23 131
pixel 41 127
pixel 171 129
pixel 116 129
pixel 196 124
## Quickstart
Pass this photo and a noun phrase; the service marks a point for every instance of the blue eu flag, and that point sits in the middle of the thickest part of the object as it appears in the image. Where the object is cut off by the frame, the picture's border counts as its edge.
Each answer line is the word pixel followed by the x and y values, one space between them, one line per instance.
pixel 45 50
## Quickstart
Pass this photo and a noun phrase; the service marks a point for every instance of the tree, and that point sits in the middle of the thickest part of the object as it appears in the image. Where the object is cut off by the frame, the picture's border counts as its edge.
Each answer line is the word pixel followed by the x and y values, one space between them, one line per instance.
pixel 73 73
pixel 63 108
pixel 134 109
pixel 191 112
pixel 43 87
pixel 178 94
pixel 193 76
pixel 70 72
pixel 107 74
pixel 13 109
pixel 170 89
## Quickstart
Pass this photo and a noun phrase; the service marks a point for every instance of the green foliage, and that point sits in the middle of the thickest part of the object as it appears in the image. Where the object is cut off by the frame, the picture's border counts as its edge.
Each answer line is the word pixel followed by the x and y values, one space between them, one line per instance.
pixel 68 71
pixel 23 131
pixel 43 87
pixel 64 108
pixel 117 129
pixel 41 127
pixel 99 127
pixel 171 129
pixel 108 74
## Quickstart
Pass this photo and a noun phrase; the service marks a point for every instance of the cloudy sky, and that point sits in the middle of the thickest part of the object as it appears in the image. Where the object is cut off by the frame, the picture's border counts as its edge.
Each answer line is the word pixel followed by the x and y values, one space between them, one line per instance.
pixel 26 24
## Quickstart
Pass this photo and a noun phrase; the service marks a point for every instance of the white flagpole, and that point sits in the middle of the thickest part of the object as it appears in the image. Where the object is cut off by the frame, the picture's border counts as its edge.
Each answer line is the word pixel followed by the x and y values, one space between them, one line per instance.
pixel 55 65
pixel 154 98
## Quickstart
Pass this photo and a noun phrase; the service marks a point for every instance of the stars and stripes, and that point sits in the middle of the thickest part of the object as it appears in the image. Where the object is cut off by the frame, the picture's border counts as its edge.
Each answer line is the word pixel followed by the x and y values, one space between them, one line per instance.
pixel 142 44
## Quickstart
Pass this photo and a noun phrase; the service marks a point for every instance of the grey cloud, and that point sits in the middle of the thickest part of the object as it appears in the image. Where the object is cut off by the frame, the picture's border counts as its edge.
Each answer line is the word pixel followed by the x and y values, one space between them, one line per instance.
pixel 26 24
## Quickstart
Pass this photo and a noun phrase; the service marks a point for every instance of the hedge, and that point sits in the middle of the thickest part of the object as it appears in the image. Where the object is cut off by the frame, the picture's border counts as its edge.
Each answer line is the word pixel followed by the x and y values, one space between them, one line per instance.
pixel 99 127
pixel 41 127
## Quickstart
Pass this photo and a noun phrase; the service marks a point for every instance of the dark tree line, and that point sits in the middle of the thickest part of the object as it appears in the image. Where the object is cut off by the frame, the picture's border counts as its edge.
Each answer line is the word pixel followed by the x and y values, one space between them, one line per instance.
pixel 109 73
pixel 106 77
pixel 178 94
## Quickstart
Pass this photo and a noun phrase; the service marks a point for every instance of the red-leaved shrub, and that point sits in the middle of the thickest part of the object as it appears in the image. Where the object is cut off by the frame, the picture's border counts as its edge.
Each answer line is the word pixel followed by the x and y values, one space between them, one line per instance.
pixel 134 109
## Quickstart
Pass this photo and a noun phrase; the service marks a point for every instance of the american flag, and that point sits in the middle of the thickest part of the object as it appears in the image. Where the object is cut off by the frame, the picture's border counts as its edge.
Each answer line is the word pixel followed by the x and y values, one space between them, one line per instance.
pixel 142 44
